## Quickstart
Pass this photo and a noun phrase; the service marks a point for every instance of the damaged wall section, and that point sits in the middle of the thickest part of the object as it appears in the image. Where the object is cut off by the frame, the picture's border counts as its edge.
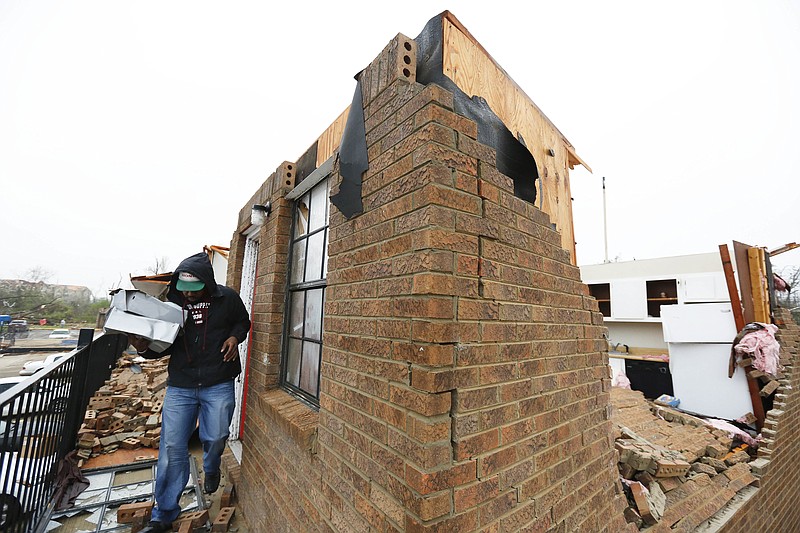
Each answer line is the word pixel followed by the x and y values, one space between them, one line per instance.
pixel 774 507
pixel 464 381
pixel 463 386
pixel 529 148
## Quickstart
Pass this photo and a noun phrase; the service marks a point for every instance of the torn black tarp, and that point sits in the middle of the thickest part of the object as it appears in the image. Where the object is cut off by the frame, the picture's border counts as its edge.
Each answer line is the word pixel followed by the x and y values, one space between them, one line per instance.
pixel 353 160
pixel 513 157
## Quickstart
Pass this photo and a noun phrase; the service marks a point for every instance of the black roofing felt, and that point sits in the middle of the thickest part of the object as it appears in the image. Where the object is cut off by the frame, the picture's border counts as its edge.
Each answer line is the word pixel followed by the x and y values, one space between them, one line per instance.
pixel 353 160
pixel 513 157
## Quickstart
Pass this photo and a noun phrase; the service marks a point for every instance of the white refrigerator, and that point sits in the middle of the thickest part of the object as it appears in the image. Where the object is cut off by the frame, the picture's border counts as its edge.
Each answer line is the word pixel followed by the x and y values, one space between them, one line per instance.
pixel 699 337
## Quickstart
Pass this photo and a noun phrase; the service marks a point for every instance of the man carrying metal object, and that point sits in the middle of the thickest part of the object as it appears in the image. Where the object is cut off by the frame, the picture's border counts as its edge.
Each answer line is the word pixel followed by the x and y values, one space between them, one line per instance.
pixel 203 364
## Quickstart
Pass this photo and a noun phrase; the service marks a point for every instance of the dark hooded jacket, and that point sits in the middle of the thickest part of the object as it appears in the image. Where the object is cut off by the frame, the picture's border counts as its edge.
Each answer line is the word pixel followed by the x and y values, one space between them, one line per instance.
pixel 195 356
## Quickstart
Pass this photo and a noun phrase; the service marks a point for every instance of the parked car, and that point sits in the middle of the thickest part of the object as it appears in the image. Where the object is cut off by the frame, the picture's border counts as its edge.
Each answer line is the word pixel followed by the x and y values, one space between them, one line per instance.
pixel 59 334
pixel 20 475
pixel 18 326
pixel 29 368
pixel 30 403
pixel 7 383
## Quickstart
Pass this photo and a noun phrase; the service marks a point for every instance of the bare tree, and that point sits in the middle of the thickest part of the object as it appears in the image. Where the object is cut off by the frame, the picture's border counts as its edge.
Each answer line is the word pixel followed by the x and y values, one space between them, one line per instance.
pixel 159 267
pixel 38 274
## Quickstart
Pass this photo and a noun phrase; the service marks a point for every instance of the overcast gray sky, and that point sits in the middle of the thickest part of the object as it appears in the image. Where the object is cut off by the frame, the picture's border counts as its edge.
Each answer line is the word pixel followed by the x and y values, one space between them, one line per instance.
pixel 135 131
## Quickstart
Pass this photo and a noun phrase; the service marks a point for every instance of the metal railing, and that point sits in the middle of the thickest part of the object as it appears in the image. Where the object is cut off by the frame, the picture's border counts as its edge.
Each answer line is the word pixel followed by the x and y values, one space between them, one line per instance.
pixel 39 422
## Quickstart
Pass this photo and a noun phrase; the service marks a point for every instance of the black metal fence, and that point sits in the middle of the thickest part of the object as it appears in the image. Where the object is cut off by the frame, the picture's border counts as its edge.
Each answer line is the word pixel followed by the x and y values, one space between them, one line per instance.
pixel 39 422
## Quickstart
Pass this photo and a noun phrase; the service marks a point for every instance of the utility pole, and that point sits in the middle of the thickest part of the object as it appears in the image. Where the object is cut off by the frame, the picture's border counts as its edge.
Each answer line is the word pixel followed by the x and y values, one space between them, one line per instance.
pixel 605 222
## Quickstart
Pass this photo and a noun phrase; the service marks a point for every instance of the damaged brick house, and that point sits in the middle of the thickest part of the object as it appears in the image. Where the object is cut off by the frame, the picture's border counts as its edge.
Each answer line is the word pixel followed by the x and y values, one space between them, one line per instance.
pixel 424 355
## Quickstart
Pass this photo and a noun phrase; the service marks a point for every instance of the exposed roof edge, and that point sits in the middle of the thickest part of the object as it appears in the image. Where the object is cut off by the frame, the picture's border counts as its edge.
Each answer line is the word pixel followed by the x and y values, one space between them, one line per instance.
pixel 222 250
pixel 574 159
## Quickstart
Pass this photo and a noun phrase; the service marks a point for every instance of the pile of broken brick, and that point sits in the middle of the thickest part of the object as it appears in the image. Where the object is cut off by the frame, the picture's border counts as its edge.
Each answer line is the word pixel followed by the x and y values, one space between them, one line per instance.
pixel 677 471
pixel 138 515
pixel 126 411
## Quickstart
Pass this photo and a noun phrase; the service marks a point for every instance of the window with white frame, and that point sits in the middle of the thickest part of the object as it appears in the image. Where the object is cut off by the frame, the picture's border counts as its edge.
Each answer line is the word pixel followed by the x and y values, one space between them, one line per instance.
pixel 308 268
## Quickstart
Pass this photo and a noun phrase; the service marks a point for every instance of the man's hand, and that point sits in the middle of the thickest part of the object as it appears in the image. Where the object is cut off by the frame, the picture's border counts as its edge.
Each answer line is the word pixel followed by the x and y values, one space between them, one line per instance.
pixel 230 350
pixel 139 343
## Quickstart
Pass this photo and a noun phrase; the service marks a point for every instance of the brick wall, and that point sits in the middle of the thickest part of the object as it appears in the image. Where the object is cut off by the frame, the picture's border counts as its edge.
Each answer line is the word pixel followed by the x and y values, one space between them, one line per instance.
pixel 775 506
pixel 464 387
pixel 463 383
pixel 279 432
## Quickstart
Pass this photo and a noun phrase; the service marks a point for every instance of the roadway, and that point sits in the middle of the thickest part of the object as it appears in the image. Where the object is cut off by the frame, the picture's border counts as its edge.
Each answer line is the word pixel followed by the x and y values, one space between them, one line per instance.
pixel 37 339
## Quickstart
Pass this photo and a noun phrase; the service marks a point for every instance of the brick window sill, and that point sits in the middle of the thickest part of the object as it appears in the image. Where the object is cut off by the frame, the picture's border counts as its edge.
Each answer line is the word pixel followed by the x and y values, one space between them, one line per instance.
pixel 293 417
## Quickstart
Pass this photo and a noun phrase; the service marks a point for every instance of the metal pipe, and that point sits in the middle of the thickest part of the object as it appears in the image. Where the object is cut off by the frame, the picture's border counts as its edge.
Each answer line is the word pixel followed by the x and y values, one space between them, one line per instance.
pixel 605 222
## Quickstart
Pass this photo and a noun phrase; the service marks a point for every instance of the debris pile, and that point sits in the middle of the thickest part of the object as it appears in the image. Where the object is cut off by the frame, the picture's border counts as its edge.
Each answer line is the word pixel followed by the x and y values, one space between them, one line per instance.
pixel 677 470
pixel 757 350
pixel 138 514
pixel 126 411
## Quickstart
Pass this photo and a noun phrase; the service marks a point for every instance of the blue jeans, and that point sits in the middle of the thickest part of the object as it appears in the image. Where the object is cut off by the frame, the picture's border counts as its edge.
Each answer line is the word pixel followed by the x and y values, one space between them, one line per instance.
pixel 179 414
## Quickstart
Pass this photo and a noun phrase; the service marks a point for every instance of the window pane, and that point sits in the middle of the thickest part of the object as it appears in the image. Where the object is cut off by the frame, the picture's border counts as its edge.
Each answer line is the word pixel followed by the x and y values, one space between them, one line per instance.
pixel 315 255
pixel 314 314
pixel 301 214
pixel 319 204
pixel 298 261
pixel 293 362
pixel 310 375
pixel 296 314
pixel 328 203
pixel 304 313
pixel 325 258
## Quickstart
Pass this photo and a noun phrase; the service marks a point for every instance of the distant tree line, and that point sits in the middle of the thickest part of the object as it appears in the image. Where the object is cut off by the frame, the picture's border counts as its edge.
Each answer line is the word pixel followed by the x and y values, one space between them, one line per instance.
pixel 36 300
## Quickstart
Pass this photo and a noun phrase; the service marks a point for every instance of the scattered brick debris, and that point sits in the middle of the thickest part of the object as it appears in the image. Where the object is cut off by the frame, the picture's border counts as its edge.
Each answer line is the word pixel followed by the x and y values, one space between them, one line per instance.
pixel 677 471
pixel 126 411
pixel 129 512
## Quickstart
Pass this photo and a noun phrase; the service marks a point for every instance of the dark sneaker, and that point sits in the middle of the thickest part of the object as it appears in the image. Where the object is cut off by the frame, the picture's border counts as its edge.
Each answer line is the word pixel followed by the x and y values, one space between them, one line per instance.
pixel 211 483
pixel 156 527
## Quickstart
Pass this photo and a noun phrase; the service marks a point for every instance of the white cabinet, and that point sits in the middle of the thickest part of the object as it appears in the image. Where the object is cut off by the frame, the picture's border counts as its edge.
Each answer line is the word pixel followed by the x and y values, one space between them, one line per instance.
pixel 628 299
pixel 642 299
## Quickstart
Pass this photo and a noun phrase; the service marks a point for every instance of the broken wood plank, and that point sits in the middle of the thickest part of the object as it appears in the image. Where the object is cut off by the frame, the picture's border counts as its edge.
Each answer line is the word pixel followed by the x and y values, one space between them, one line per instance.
pixel 758 283
pixel 739 315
